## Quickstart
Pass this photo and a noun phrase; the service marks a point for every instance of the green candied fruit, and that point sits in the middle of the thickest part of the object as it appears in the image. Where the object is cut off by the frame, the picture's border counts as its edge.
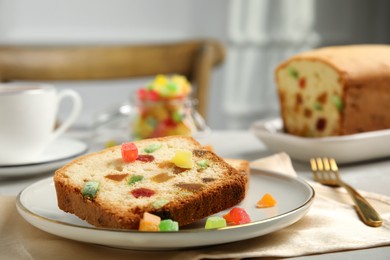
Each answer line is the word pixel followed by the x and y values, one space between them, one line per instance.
pixel 168 225
pixel 152 147
pixel 135 178
pixel 215 222
pixel 169 89
pixel 90 189
pixel 293 72
pixel 152 122
pixel 172 87
pixel 159 203
pixel 203 164
pixel 338 102
pixel 317 105
pixel 177 116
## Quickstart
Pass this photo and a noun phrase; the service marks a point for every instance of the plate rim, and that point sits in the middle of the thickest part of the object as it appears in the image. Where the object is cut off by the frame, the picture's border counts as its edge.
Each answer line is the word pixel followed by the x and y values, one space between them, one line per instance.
pixel 277 120
pixel 49 181
pixel 345 149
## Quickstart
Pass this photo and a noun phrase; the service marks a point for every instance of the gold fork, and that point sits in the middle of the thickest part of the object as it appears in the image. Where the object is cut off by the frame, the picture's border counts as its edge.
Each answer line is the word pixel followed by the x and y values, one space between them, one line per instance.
pixel 326 172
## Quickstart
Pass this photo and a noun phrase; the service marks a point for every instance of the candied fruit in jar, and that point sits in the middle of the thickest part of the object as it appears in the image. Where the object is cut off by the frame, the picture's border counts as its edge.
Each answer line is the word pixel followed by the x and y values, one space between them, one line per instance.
pixel 164 108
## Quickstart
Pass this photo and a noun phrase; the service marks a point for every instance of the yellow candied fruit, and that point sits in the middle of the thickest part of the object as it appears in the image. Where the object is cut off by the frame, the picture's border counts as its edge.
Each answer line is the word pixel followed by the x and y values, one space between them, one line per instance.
pixel 160 80
pixel 266 201
pixel 149 222
pixel 183 83
pixel 110 143
pixel 183 159
pixel 172 87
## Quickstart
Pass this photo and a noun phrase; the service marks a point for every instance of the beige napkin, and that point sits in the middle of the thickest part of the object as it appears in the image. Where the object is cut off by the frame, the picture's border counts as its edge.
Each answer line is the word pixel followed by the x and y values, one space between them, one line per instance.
pixel 331 225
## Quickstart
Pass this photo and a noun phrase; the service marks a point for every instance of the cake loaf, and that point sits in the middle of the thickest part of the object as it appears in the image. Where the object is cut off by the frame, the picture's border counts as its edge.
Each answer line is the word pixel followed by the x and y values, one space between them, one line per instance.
pixel 200 186
pixel 335 91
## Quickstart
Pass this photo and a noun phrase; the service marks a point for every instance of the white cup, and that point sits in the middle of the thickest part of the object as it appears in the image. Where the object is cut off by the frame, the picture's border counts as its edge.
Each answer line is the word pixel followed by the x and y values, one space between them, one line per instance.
pixel 27 120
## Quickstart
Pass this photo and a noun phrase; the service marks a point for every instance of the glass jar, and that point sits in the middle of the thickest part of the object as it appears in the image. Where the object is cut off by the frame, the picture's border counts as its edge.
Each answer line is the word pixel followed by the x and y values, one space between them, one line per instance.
pixel 140 119
pixel 165 117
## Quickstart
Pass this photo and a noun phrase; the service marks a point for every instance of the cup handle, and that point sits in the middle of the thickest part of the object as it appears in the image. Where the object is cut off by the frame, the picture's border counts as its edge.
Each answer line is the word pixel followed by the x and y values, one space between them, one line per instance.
pixel 77 104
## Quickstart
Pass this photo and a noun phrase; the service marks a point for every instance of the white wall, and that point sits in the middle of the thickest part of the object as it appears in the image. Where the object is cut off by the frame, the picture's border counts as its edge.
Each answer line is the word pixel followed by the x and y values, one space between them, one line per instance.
pixel 129 21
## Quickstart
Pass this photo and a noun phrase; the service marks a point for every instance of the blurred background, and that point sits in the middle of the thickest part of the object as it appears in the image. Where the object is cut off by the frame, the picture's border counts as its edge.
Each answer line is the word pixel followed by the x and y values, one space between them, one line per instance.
pixel 257 34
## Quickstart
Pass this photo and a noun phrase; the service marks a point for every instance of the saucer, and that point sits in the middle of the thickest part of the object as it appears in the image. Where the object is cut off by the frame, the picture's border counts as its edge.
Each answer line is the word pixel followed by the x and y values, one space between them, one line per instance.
pixel 58 153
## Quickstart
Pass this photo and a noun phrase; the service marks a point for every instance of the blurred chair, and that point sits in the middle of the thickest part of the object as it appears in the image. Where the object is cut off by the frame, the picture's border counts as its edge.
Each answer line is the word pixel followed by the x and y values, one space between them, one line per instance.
pixel 195 59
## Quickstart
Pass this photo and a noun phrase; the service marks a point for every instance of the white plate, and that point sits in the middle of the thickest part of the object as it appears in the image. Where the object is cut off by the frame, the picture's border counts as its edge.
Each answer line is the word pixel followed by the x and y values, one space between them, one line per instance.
pixel 58 153
pixel 38 205
pixel 345 149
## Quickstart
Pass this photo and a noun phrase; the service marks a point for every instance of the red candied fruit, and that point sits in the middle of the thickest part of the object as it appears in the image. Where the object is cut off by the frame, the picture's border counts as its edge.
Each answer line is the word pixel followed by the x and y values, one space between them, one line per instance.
pixel 237 216
pixel 302 83
pixel 129 152
pixel 145 158
pixel 146 94
pixel 142 192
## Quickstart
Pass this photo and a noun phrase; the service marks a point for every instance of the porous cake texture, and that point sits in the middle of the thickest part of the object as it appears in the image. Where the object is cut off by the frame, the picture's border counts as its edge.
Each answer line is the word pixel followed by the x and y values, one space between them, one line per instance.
pixel 152 183
pixel 337 90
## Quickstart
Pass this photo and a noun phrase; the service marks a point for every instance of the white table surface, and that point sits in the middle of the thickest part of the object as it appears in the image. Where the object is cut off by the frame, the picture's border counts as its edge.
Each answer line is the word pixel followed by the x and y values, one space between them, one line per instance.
pixel 371 176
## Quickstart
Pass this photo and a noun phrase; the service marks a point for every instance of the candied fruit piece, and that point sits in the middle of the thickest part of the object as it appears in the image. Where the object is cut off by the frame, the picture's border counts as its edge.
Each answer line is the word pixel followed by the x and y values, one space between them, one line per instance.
pixel 162 177
pixel 266 201
pixel 228 218
pixel 169 225
pixel 116 177
pixel 145 158
pixel 159 203
pixel 149 222
pixel 183 159
pixel 135 178
pixel 142 192
pixel 237 216
pixel 203 164
pixel 293 72
pixel 338 102
pixel 152 147
pixel 302 82
pixel 215 222
pixel 129 152
pixel 193 187
pixel 110 143
pixel 90 189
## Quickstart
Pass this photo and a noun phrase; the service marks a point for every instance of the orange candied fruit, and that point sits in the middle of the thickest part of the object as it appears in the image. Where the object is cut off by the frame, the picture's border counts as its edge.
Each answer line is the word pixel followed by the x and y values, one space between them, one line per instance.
pixel 208 147
pixel 149 222
pixel 266 201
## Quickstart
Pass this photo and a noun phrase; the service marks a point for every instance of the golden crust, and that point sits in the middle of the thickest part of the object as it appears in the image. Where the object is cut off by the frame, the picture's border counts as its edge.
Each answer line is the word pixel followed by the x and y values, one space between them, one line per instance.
pixel 227 190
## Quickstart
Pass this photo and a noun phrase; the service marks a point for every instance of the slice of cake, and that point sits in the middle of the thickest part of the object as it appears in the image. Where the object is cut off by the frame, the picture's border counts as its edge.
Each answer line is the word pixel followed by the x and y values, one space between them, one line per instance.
pixel 335 90
pixel 171 177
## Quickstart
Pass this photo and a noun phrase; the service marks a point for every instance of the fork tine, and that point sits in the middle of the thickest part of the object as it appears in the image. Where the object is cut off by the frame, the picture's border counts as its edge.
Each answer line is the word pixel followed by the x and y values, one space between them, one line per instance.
pixel 314 169
pixel 326 164
pixel 321 167
pixel 313 164
pixel 333 165
pixel 326 173
pixel 334 168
